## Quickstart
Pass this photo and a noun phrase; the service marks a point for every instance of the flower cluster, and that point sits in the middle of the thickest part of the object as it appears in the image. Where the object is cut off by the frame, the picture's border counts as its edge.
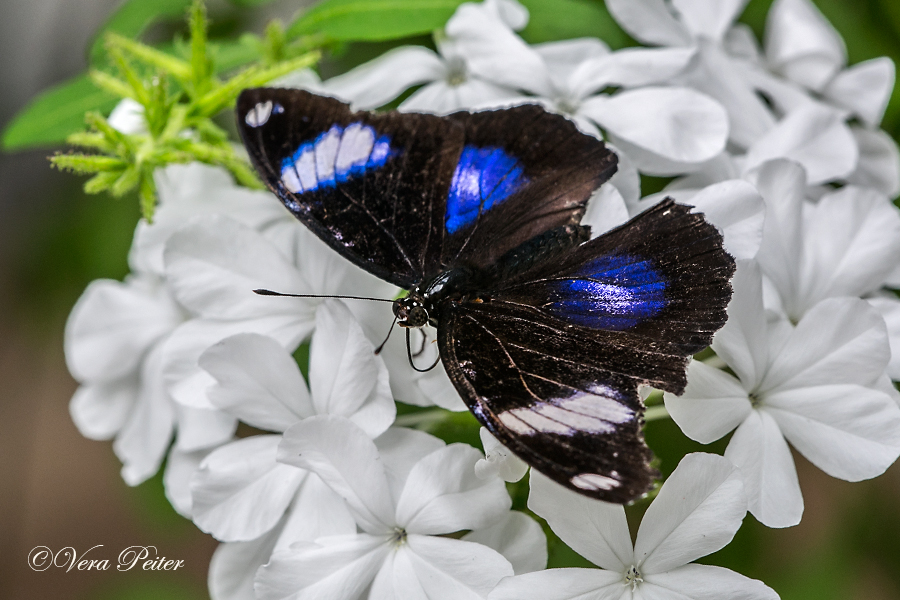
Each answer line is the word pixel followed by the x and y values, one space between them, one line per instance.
pixel 332 497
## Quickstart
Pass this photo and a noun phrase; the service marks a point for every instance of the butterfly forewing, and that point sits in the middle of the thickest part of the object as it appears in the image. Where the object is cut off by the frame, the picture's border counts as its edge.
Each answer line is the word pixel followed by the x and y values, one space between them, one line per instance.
pixel 372 186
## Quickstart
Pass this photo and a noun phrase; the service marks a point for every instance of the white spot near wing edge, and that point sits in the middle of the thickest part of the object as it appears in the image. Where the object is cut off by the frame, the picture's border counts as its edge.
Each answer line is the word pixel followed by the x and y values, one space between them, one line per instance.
pixel 594 482
pixel 259 114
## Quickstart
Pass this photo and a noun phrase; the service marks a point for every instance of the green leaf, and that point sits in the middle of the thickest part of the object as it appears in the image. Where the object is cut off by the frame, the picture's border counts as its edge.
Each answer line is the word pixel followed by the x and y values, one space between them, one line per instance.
pixel 373 20
pixel 134 16
pixel 250 3
pixel 56 114
pixel 553 20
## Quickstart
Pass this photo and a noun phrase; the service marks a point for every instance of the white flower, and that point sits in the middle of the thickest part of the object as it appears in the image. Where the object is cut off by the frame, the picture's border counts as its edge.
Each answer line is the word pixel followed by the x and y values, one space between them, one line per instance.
pixel 813 385
pixel 128 117
pixel 404 495
pixel 240 491
pixel 498 460
pixel 213 265
pixel 697 512
pixel 113 344
pixel 845 244
pixel 451 82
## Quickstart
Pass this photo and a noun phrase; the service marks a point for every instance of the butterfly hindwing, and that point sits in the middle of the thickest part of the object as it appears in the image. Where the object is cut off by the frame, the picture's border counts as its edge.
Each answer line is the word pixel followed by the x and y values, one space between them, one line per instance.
pixel 371 186
pixel 661 280
pixel 548 396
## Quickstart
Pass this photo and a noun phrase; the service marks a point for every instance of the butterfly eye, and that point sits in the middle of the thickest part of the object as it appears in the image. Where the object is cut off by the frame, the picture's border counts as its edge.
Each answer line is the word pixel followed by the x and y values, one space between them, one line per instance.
pixel 410 313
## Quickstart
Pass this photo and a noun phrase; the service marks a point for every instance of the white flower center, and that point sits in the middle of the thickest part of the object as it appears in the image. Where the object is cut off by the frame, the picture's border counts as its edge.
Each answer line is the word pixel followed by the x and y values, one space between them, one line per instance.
pixel 456 71
pixel 568 106
pixel 399 537
pixel 633 577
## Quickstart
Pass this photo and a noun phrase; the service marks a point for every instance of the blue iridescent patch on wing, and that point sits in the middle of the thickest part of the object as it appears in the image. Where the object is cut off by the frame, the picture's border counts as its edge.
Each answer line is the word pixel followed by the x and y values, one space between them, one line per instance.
pixel 610 292
pixel 334 157
pixel 484 177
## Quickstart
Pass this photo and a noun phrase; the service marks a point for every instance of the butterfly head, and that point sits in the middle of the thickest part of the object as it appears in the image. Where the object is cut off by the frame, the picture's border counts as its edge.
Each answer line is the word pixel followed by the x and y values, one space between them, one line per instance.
pixel 411 311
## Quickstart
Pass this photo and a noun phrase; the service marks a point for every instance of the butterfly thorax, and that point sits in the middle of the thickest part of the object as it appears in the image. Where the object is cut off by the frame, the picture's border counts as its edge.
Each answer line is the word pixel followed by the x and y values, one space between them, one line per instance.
pixel 420 306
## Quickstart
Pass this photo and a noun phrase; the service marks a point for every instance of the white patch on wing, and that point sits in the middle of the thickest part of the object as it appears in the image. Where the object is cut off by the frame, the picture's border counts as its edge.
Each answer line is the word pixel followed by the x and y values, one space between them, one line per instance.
pixel 326 154
pixel 594 481
pixel 355 147
pixel 306 169
pixel 514 424
pixel 259 114
pixel 597 412
pixel 290 179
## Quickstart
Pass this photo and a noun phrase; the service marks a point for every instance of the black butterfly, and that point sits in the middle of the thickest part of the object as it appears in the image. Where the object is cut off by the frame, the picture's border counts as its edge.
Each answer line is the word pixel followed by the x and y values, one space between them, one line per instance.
pixel 545 335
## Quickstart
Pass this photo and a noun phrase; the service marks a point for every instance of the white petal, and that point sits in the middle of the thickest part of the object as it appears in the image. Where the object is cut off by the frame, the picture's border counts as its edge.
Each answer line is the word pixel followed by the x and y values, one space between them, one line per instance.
pixel 738 211
pixel 498 460
pixel 758 449
pixel 631 67
pixel 315 512
pixel 240 491
pixel 186 191
pixel 214 263
pixel 186 381
pixel 713 403
pixel 649 21
pixel 852 239
pixel 258 381
pixel 400 449
pixel 889 308
pixel 562 584
pixel 494 53
pixel 520 540
pixel 128 117
pixel 448 569
pixel 563 57
pixel 442 98
pixel 697 512
pixel 113 325
pixel 782 184
pixel 510 12
pixel 709 18
pixel 742 341
pixel 849 431
pixel 200 428
pixel 347 460
pixel 180 467
pixel 347 379
pixel 840 340
pixel 605 210
pixel 442 494
pixel 865 88
pixel 143 440
pixel 803 44
pixel 676 123
pixel 233 567
pixel 335 568
pixel 705 582
pixel 813 135
pixel 626 179
pixel 596 530
pixel 879 162
pixel 729 81
pixel 100 410
pixel 379 81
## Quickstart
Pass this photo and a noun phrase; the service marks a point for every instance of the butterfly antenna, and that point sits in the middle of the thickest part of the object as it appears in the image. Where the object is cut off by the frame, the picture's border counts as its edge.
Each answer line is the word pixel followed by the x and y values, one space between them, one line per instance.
pixel 409 356
pixel 264 292
pixel 390 331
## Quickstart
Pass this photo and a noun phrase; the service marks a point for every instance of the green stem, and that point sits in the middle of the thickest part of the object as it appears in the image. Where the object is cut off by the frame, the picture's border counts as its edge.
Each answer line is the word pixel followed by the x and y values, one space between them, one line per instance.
pixel 655 413
pixel 423 420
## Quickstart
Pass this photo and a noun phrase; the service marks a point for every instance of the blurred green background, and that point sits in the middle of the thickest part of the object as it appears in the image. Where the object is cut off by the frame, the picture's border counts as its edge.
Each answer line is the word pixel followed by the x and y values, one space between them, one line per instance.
pixel 60 489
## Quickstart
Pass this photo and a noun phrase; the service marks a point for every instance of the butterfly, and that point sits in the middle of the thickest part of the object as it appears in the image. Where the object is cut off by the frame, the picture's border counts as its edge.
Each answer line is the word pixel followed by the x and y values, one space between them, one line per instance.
pixel 545 333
